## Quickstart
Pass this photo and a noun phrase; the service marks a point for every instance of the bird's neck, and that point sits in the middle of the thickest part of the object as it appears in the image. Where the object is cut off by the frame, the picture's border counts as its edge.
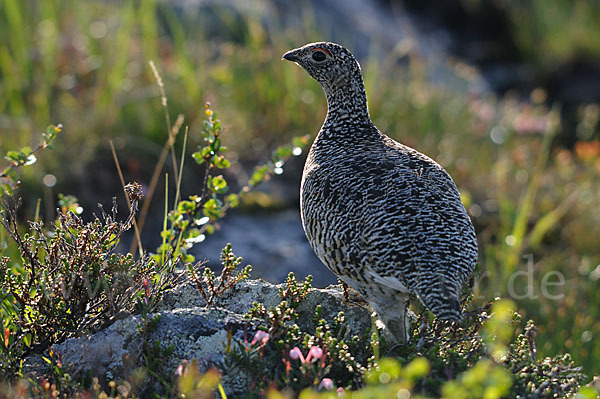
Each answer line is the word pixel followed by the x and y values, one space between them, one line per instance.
pixel 347 102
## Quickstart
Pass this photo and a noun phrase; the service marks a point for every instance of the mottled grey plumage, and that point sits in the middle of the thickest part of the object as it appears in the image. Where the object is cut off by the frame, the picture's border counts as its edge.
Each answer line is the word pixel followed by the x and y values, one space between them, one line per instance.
pixel 383 217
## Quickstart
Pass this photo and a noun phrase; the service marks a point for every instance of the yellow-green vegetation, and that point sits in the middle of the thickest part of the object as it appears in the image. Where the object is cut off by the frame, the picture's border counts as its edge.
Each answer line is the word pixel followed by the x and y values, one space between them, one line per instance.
pixel 552 34
pixel 536 205
pixel 485 359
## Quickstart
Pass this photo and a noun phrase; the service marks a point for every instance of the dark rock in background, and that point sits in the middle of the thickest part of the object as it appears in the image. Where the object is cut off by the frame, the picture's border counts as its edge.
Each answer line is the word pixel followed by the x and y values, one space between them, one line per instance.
pixel 273 243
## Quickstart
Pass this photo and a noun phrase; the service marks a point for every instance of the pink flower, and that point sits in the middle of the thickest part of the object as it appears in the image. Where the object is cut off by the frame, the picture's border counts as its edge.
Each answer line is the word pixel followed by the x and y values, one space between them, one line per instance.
pixel 314 352
pixel 260 337
pixel 297 354
pixel 326 384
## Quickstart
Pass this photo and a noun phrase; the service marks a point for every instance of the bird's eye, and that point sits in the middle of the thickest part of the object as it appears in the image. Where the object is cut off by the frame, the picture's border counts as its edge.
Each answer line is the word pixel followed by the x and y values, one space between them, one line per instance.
pixel 319 56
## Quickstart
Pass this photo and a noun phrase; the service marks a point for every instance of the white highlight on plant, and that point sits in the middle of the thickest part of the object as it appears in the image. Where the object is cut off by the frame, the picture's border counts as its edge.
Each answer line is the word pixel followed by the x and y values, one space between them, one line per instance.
pixel 202 220
pixel 195 240
pixel 278 168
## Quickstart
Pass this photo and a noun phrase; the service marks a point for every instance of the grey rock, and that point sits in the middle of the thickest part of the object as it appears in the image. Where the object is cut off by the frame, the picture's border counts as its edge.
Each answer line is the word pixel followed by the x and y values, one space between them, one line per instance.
pixel 193 330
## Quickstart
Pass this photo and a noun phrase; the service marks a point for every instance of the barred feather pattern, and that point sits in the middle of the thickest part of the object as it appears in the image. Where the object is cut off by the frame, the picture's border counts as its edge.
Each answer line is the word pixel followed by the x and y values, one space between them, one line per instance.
pixel 383 217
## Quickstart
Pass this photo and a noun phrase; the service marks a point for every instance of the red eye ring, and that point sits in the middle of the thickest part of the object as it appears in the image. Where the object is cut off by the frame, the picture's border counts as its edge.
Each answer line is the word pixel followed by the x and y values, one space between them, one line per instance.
pixel 321 49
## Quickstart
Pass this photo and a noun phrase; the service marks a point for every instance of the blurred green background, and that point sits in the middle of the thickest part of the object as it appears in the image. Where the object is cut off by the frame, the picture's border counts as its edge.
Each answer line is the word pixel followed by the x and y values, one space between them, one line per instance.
pixel 500 93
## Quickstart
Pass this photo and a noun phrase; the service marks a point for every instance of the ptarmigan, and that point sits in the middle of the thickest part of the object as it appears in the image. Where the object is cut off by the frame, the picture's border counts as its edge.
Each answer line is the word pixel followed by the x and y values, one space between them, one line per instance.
pixel 386 219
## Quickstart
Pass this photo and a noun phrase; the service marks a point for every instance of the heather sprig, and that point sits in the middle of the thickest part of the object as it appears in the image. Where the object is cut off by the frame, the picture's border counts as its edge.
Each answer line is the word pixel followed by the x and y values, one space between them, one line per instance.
pixel 9 179
pixel 192 219
pixel 209 286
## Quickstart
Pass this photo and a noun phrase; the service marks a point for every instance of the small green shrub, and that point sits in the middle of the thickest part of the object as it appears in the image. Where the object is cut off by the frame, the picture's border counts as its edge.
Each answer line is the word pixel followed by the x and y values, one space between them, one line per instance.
pixel 207 283
pixel 9 179
pixel 70 281
pixel 325 351
pixel 192 219
pixel 516 374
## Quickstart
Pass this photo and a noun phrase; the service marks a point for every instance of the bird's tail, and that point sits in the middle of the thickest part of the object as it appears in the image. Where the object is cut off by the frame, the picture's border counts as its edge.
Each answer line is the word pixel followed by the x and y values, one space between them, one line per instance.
pixel 442 299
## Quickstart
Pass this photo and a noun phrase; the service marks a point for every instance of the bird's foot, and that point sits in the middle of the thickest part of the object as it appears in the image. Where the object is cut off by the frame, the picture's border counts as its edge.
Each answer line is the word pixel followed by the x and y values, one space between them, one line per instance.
pixel 351 296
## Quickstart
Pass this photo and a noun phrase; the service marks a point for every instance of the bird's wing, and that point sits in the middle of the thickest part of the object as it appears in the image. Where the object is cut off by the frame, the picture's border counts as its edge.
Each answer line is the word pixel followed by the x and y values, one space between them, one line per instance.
pixel 432 247
pixel 389 281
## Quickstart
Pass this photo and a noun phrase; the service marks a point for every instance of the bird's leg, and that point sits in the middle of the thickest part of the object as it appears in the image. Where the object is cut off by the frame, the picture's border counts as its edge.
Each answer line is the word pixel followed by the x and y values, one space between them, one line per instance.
pixel 351 296
pixel 393 315
pixel 399 327
pixel 346 289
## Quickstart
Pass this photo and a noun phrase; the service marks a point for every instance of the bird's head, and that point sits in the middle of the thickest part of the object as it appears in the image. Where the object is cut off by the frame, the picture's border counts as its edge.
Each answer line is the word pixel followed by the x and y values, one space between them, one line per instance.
pixel 330 64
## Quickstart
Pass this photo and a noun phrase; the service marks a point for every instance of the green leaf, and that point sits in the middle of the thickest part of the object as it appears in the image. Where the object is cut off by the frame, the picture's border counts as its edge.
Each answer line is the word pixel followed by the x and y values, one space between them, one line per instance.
pixel 259 175
pixel 217 184
pixel 198 158
pixel 212 209
pixel 23 157
pixel 187 258
pixel 221 162
pixel 50 134
pixel 186 207
pixel 18 158
pixel 300 141
pixel 163 249
pixel 9 181
pixel 232 200
pixel 183 224
pixel 217 145
pixel 27 339
pixel 282 153
pixel 12 155
pixel 174 217
pixel 6 188
pixel 191 233
pixel 202 155
pixel 166 234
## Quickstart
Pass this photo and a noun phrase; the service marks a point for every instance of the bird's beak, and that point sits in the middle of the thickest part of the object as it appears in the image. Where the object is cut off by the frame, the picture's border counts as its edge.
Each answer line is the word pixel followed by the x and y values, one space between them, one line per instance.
pixel 290 56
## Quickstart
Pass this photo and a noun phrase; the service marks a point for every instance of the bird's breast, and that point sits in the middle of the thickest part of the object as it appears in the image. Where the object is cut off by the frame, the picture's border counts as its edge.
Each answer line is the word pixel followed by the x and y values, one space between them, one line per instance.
pixel 333 207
